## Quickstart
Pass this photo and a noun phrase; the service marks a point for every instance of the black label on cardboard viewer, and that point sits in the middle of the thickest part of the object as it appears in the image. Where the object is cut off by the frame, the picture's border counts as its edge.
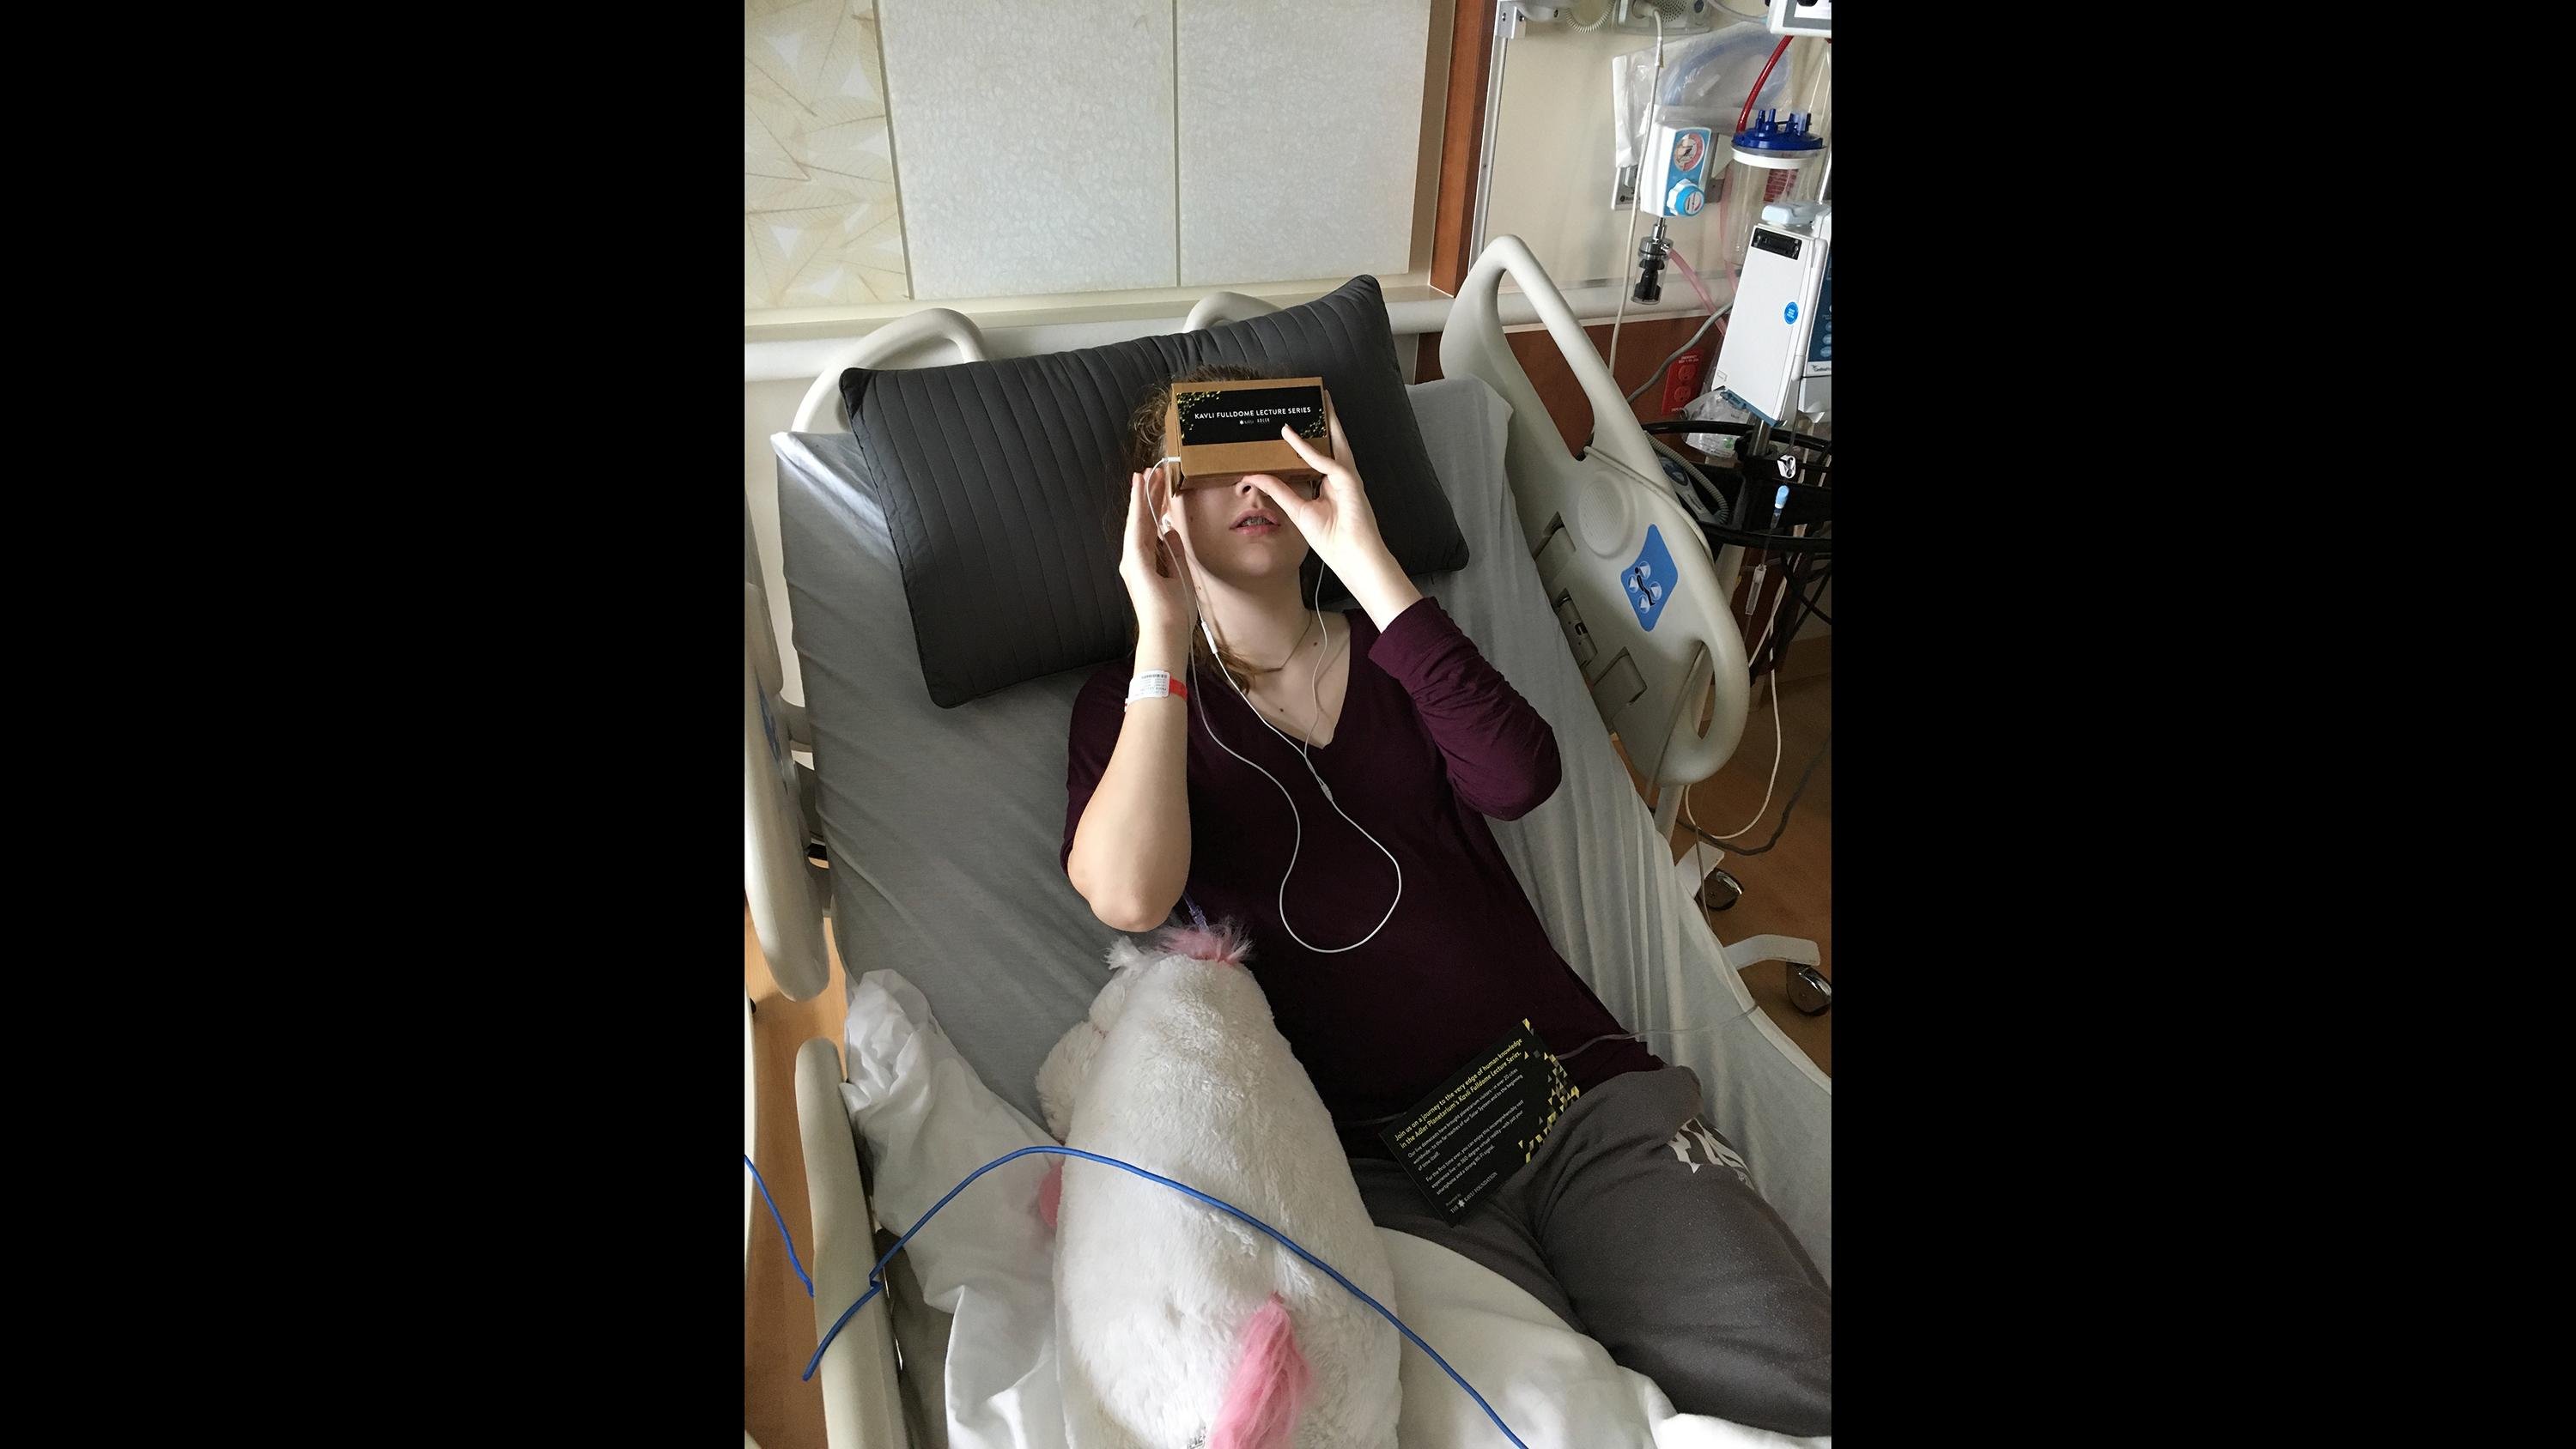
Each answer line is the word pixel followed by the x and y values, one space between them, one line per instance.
pixel 1483 1124
pixel 1249 414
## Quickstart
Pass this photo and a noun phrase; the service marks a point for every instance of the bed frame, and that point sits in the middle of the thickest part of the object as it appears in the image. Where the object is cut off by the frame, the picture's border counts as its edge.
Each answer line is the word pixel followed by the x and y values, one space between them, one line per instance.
pixel 1587 519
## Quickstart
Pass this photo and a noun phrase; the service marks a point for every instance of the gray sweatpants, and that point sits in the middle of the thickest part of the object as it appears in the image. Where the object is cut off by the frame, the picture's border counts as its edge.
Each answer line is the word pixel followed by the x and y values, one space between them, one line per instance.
pixel 1635 1224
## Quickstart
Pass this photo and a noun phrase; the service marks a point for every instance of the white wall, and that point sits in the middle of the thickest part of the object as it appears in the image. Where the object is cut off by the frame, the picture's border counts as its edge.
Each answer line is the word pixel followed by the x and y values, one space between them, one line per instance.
pixel 1033 143
pixel 974 149
pixel 1299 123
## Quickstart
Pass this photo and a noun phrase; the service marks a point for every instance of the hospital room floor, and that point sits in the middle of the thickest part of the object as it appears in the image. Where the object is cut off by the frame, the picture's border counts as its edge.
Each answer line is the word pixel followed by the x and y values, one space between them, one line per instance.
pixel 1787 891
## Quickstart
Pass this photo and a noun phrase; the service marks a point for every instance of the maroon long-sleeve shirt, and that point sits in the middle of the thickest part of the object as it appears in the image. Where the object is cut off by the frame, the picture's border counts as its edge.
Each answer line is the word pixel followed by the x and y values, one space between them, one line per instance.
pixel 1431 739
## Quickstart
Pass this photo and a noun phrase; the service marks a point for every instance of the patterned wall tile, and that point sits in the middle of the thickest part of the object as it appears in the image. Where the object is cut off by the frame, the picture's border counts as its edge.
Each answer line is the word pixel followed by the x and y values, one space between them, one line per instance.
pixel 819 222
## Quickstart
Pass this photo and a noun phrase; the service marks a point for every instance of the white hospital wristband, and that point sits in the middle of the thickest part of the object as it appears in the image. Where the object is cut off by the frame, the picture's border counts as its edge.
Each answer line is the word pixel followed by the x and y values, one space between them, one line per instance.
pixel 1155 684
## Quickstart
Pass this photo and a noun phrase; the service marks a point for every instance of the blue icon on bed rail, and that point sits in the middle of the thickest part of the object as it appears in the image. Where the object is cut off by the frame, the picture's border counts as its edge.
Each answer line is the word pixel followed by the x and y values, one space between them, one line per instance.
pixel 1651 579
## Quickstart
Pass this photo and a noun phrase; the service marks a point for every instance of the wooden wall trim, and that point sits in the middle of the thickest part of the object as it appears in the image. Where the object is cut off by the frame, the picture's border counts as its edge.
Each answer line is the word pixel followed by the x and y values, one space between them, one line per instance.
pixel 1642 344
pixel 1462 139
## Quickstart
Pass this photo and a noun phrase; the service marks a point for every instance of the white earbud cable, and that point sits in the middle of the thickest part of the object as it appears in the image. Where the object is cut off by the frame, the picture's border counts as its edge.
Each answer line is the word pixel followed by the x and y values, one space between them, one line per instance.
pixel 1298 842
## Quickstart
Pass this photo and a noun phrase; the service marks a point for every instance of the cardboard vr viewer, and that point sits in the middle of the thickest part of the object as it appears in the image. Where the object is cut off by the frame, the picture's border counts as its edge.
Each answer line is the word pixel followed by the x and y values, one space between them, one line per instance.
pixel 1223 430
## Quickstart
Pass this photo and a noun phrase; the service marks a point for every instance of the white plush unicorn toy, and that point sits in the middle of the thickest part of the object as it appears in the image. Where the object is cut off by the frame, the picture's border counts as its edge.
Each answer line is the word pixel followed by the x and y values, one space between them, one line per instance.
pixel 1178 1326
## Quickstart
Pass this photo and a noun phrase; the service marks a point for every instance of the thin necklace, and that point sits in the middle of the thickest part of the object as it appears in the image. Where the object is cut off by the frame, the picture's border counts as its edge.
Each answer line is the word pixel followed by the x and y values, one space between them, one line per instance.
pixel 1252 671
pixel 1314 687
pixel 1293 646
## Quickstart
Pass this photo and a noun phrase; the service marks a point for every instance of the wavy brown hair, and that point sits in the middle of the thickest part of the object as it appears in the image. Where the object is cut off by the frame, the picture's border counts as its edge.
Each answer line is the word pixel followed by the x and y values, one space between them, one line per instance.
pixel 1145 425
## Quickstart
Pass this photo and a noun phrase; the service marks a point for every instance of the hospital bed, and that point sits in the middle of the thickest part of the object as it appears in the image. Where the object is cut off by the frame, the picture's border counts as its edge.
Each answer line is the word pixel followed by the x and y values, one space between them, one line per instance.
pixel 943 825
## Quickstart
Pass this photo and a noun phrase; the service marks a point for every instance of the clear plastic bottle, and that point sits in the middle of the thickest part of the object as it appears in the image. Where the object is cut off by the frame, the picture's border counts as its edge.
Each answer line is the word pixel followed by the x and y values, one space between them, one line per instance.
pixel 1713 406
pixel 1772 160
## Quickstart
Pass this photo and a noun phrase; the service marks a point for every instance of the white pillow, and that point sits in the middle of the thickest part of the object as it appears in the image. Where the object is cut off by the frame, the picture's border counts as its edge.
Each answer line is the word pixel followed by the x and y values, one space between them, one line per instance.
pixel 987 1259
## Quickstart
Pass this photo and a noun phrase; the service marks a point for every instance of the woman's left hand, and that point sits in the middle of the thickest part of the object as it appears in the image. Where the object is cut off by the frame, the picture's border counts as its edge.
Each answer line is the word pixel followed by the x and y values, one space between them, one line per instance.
pixel 1338 523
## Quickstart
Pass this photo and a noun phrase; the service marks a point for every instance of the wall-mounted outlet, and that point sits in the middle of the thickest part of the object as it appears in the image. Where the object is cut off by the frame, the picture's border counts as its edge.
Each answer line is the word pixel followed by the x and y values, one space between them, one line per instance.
pixel 1681 380
pixel 1674 18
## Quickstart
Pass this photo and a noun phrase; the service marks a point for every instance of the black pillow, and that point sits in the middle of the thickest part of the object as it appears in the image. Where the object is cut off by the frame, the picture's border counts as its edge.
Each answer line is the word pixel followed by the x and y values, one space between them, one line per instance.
pixel 1002 481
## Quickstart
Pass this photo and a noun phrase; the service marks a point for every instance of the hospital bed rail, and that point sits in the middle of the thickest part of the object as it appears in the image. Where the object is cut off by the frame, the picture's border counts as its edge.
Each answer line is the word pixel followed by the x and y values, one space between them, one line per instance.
pixel 1588 522
pixel 789 896
pixel 862 1398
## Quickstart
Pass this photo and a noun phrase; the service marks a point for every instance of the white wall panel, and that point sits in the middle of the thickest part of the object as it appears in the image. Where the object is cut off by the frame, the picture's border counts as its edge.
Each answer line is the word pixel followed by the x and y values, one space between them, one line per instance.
pixel 1033 144
pixel 1300 123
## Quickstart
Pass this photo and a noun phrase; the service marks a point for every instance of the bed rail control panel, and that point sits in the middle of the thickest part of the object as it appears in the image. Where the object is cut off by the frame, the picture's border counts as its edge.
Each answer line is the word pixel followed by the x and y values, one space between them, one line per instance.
pixel 1576 636
pixel 1553 558
pixel 1553 554
pixel 1619 686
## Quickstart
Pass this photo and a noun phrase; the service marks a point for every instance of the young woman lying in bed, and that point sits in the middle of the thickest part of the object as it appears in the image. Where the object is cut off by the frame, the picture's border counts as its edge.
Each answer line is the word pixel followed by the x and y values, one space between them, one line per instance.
pixel 1400 945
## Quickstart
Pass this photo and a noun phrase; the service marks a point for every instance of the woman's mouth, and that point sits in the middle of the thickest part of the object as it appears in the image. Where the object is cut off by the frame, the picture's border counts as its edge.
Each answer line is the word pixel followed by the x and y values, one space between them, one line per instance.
pixel 1256 523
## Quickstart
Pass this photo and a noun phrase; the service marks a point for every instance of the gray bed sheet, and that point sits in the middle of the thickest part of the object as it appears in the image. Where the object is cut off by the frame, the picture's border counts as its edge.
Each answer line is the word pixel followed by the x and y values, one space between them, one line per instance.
pixel 944 824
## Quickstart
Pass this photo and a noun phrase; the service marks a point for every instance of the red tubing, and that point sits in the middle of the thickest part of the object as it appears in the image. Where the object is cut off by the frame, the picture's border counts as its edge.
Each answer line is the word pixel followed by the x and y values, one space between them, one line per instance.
pixel 1777 51
pixel 1683 266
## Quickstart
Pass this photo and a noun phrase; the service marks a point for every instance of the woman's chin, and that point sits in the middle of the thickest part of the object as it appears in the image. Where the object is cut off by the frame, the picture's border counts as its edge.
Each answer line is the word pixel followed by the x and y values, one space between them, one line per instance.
pixel 1250 561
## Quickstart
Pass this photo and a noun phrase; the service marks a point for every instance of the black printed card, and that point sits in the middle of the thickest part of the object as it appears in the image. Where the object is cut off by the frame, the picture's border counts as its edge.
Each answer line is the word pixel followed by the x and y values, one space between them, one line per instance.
pixel 1248 414
pixel 1483 1124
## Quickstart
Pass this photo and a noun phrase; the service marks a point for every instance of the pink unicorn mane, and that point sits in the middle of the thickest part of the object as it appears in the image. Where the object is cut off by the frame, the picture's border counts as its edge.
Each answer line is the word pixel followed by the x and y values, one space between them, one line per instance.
pixel 1224 941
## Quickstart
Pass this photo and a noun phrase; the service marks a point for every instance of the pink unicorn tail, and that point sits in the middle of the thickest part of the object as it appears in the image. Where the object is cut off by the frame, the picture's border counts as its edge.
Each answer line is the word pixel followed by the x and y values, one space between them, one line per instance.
pixel 1051 1192
pixel 1269 1386
pixel 1224 941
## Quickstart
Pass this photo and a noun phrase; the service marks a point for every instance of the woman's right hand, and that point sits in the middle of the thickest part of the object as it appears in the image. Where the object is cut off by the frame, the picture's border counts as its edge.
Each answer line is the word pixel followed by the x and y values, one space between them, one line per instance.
pixel 1155 568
